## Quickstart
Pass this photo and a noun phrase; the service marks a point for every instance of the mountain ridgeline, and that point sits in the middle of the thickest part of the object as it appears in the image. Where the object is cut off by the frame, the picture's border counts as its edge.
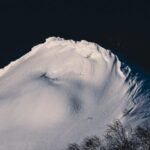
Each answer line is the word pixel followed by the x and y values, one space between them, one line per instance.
pixel 63 91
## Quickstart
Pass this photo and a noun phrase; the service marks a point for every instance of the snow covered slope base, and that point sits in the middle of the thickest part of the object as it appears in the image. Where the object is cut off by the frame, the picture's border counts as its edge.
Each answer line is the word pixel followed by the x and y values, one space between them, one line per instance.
pixel 63 91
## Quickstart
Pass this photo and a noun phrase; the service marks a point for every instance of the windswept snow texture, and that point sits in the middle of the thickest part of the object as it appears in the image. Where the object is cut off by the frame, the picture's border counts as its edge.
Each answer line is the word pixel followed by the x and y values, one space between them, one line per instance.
pixel 63 91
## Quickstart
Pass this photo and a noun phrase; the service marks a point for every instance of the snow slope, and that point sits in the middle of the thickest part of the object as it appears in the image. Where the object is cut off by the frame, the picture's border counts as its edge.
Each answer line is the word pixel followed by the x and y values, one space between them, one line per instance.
pixel 63 91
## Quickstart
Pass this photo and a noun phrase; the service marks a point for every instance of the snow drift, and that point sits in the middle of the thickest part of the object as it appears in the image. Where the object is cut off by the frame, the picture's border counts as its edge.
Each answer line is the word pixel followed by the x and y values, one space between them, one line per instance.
pixel 63 91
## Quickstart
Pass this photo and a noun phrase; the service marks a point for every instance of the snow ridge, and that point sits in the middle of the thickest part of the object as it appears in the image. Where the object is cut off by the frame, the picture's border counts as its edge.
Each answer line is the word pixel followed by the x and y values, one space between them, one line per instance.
pixel 51 92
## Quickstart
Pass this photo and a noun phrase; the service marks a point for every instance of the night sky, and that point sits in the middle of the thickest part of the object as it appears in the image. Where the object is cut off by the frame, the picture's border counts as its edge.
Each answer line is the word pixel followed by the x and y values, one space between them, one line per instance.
pixel 120 25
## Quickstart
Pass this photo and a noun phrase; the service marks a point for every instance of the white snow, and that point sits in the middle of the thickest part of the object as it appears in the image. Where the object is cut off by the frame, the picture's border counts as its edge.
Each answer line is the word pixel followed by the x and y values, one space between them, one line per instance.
pixel 61 92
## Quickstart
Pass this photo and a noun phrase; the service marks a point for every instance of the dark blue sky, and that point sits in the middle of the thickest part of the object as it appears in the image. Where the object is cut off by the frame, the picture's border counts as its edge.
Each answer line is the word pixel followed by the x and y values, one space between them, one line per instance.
pixel 121 25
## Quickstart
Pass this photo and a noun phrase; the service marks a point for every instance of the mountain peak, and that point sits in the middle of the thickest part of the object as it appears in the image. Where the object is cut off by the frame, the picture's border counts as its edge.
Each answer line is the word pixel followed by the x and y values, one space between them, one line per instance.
pixel 52 91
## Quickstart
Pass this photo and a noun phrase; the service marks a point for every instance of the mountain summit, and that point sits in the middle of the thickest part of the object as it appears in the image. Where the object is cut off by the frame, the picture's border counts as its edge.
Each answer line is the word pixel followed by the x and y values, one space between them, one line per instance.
pixel 63 91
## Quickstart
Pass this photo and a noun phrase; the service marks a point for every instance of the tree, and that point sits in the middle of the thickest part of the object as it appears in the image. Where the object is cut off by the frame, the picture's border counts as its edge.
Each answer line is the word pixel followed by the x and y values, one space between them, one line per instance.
pixel 91 143
pixel 73 146
pixel 117 137
pixel 142 136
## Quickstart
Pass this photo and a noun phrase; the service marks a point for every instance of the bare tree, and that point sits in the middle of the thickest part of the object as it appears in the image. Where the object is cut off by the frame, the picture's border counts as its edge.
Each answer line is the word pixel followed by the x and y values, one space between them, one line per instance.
pixel 142 137
pixel 91 143
pixel 73 146
pixel 117 137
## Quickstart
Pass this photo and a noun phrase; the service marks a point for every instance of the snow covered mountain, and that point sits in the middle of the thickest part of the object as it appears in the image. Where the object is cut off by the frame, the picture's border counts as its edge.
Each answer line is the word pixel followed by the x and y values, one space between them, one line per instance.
pixel 63 91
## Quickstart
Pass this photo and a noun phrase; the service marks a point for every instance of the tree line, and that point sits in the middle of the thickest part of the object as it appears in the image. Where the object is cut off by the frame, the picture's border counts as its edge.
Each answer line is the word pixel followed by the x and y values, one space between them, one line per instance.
pixel 117 137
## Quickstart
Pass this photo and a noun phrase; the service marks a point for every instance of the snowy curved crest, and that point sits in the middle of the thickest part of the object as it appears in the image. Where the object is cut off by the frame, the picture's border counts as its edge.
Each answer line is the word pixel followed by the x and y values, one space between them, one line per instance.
pixel 52 91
